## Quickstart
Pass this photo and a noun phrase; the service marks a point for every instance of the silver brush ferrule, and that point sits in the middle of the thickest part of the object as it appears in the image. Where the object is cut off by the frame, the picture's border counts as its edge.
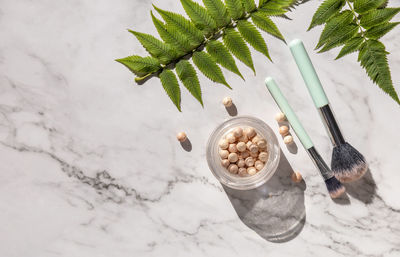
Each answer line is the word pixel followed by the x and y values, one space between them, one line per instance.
pixel 331 125
pixel 320 163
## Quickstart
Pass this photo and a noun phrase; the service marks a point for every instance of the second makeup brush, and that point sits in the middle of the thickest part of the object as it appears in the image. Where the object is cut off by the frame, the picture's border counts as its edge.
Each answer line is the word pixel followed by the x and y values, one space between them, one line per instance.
pixel 335 188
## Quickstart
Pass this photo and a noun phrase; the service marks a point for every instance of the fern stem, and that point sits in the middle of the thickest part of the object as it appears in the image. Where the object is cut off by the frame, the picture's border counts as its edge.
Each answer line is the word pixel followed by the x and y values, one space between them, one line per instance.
pixel 357 20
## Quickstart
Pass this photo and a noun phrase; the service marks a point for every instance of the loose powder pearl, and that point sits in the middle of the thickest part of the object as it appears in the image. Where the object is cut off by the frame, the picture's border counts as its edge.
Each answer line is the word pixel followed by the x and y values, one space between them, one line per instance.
pixel 253 148
pixel 263 156
pixel 244 154
pixel 249 161
pixel 223 144
pixel 248 144
pixel 242 172
pixel 256 139
pixel 254 155
pixel 238 132
pixel 241 146
pixel 223 154
pixel 250 132
pixel 233 157
pixel 279 117
pixel 233 168
pixel 181 136
pixel 231 138
pixel 296 177
pixel 227 101
pixel 262 144
pixel 288 140
pixel 232 148
pixel 251 171
pixel 284 130
pixel 241 163
pixel 243 138
pixel 259 165
pixel 225 163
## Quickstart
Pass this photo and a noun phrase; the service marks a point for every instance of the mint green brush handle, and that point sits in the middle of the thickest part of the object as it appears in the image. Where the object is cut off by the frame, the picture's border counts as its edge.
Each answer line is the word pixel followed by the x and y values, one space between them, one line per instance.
pixel 308 72
pixel 287 110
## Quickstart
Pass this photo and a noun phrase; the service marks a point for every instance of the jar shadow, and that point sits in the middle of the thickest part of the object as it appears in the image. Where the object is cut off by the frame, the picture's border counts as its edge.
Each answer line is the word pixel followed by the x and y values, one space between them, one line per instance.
pixel 275 210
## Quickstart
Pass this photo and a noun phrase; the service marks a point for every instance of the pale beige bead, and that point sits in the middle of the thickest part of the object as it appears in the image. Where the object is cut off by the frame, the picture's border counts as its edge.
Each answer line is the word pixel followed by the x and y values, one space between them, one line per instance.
pixel 238 132
pixel 259 165
pixel 248 144
pixel 223 153
pixel 233 157
pixel 256 139
pixel 279 117
pixel 263 156
pixel 241 163
pixel 296 177
pixel 244 154
pixel 232 148
pixel 254 155
pixel 227 101
pixel 233 168
pixel 251 171
pixel 225 163
pixel 181 136
pixel 243 138
pixel 262 144
pixel 253 148
pixel 283 130
pixel 250 132
pixel 249 161
pixel 288 139
pixel 223 144
pixel 242 172
pixel 231 138
pixel 241 147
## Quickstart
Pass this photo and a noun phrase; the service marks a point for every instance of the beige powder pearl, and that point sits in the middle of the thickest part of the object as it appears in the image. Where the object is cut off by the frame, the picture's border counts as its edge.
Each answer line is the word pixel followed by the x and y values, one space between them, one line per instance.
pixel 242 172
pixel 244 154
pixel 251 171
pixel 249 161
pixel 227 101
pixel 259 165
pixel 223 144
pixel 223 154
pixel 279 117
pixel 262 144
pixel 241 147
pixel 233 157
pixel 181 136
pixel 231 138
pixel 241 163
pixel 254 155
pixel 225 163
pixel 296 177
pixel 250 132
pixel 248 144
pixel 263 156
pixel 256 139
pixel 253 148
pixel 238 132
pixel 232 148
pixel 233 168
pixel 284 130
pixel 243 138
pixel 288 140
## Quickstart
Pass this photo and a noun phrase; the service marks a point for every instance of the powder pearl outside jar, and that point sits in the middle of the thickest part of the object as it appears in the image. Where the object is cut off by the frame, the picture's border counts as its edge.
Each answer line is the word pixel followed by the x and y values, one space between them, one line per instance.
pixel 235 176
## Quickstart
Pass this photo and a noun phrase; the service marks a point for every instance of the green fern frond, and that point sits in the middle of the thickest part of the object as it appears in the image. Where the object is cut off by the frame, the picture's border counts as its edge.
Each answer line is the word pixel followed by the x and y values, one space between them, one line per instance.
pixel 249 5
pixel 363 6
pixel 325 11
pixel 222 56
pixel 209 68
pixel 171 87
pixel 376 17
pixel 188 76
pixel 199 16
pixel 379 31
pixel 236 45
pixel 250 33
pixel 218 12
pixel 235 8
pixel 264 23
pixel 140 65
pixel 351 46
pixel 373 59
pixel 340 37
pixel 333 26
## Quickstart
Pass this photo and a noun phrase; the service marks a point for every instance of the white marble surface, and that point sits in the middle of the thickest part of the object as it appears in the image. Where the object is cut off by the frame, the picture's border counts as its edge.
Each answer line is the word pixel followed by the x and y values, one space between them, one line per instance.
pixel 89 161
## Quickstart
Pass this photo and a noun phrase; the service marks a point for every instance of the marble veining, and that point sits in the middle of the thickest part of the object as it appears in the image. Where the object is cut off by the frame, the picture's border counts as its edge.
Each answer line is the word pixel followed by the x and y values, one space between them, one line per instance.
pixel 90 165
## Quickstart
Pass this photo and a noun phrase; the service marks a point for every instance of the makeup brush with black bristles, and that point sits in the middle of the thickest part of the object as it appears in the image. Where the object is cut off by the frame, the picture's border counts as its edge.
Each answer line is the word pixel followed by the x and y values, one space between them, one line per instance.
pixel 347 163
pixel 335 188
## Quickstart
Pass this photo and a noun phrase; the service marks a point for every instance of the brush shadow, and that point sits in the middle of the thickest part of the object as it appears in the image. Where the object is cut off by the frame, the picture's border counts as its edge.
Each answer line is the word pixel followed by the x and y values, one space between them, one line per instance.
pixel 275 210
pixel 363 189
pixel 187 145
pixel 292 148
pixel 343 199
pixel 232 110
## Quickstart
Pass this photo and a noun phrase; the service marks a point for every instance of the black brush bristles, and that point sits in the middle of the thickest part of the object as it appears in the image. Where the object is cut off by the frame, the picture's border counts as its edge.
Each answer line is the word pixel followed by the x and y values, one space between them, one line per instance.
pixel 335 188
pixel 348 164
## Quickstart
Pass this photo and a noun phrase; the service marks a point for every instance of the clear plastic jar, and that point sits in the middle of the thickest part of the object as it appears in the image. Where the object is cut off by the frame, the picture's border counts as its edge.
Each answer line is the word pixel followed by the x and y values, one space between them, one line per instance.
pixel 233 180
